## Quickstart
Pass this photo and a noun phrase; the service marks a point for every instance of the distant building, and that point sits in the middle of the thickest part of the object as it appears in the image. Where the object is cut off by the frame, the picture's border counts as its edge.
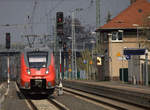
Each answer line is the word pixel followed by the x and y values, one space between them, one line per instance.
pixel 127 30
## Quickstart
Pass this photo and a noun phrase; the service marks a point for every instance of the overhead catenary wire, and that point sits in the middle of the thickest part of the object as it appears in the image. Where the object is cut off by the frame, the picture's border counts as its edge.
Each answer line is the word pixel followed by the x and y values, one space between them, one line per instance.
pixel 48 14
pixel 30 20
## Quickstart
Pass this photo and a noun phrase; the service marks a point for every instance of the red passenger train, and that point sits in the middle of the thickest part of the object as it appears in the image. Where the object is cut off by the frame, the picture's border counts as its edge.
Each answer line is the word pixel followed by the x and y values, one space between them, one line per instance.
pixel 37 74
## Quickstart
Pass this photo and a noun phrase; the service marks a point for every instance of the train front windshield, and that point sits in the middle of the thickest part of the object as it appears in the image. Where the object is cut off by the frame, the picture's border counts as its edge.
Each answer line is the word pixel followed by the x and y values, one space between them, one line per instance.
pixel 37 59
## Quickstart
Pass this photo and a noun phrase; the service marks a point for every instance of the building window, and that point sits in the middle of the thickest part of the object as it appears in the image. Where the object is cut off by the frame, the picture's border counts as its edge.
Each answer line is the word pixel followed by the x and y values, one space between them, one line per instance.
pixel 117 36
pixel 114 36
pixel 120 35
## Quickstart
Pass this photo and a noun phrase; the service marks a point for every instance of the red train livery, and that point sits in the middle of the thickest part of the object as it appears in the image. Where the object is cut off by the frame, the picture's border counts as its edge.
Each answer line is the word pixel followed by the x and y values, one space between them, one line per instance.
pixel 37 72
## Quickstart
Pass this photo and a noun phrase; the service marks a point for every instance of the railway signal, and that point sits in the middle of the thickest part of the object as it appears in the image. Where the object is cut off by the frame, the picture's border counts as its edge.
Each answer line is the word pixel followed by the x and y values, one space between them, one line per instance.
pixel 59 23
pixel 7 40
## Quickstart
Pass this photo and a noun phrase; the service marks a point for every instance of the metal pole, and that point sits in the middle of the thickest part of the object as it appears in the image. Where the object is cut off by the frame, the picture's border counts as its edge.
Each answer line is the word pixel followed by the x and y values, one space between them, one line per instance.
pixel 122 57
pixel 8 71
pixel 72 44
pixel 97 18
pixel 60 92
pixel 73 39
pixel 138 37
pixel 146 64
pixel 75 64
pixel 97 26
pixel 122 70
pixel 92 75
pixel 110 59
pixel 97 13
pixel 56 50
pixel 60 67
pixel 75 50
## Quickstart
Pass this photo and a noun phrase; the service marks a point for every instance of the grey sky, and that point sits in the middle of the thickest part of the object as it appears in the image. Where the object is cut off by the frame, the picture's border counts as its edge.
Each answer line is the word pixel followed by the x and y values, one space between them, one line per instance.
pixel 16 12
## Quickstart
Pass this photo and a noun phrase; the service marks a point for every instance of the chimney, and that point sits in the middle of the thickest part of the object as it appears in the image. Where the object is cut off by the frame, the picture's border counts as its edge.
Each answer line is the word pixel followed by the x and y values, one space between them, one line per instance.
pixel 132 1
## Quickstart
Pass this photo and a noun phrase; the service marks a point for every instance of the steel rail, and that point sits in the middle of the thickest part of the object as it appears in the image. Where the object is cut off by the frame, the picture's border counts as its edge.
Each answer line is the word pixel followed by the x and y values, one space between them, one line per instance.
pixel 101 101
pixel 103 92
pixel 57 104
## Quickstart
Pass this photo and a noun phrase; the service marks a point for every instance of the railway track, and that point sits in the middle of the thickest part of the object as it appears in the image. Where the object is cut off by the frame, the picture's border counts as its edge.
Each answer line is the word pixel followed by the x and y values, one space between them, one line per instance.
pixel 128 97
pixel 109 103
pixel 45 104
pixel 48 103
pixel 42 102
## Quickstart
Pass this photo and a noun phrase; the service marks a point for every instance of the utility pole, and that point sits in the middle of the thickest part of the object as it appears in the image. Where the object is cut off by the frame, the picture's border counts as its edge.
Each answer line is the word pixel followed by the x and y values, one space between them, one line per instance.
pixel 73 44
pixel 97 21
pixel 56 47
pixel 8 70
pixel 97 26
pixel 56 50
pixel 97 13
pixel 74 49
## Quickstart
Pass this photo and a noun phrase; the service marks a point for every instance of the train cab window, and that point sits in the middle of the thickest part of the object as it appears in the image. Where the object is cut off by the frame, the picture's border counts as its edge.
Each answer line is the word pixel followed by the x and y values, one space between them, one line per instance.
pixel 37 59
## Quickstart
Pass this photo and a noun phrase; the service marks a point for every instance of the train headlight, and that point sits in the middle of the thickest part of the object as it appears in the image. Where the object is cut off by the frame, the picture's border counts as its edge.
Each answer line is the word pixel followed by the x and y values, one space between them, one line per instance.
pixel 28 71
pixel 47 71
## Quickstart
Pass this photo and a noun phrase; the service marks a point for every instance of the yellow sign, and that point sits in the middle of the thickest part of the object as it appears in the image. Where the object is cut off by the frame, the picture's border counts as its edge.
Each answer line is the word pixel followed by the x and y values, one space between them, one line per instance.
pixel 91 62
pixel 118 54
pixel 99 61
pixel 69 69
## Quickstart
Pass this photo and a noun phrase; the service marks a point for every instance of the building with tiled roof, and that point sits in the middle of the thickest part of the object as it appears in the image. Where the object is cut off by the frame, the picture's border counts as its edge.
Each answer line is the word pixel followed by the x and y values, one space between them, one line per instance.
pixel 134 14
pixel 128 29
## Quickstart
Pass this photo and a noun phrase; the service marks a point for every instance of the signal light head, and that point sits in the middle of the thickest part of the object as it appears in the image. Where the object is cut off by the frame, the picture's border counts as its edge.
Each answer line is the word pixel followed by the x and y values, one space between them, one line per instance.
pixel 59 20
